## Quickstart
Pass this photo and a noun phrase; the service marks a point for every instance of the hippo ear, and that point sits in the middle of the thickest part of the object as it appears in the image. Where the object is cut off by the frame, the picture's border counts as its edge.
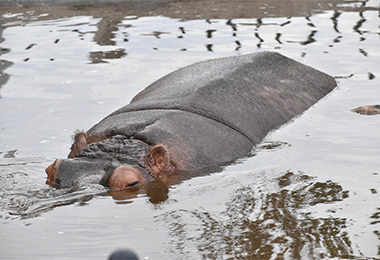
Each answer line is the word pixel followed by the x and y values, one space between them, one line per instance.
pixel 158 158
pixel 80 142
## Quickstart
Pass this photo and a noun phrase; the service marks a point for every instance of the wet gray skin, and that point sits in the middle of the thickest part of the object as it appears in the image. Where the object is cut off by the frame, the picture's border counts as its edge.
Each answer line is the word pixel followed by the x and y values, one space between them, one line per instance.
pixel 204 115
pixel 96 162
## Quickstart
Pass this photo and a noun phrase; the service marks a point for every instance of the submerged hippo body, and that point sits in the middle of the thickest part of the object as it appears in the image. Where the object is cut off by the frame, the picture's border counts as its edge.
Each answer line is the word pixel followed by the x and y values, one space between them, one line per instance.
pixel 206 114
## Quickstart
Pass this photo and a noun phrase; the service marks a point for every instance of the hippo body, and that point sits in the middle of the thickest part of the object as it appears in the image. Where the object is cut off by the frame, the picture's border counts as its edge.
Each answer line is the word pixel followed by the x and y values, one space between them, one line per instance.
pixel 206 114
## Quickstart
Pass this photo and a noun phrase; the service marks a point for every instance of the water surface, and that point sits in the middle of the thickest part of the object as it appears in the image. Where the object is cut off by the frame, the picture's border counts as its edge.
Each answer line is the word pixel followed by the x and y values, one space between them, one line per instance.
pixel 310 190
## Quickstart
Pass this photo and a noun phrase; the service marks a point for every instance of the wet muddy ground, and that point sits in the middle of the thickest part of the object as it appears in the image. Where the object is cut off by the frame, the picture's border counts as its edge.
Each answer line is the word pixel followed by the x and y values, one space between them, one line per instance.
pixel 310 190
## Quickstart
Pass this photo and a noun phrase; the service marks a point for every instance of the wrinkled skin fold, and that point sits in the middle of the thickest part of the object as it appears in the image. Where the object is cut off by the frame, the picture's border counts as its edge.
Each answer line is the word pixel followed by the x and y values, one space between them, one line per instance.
pixel 199 117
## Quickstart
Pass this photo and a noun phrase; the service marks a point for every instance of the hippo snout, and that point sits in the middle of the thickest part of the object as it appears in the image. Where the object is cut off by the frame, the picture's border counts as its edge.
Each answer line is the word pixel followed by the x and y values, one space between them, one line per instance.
pixel 51 172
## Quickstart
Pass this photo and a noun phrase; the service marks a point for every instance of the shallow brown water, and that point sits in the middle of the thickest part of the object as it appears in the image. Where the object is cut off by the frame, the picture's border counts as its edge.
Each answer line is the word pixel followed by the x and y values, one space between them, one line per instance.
pixel 310 190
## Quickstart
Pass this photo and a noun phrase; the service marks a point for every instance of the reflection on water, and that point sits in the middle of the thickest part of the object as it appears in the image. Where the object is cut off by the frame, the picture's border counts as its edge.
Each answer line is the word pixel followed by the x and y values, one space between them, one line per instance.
pixel 65 66
pixel 256 225
pixel 4 64
pixel 232 31
pixel 101 56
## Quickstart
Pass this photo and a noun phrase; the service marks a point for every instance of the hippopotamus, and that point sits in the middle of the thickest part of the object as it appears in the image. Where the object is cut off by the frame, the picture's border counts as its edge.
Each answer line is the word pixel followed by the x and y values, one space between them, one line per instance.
pixel 201 116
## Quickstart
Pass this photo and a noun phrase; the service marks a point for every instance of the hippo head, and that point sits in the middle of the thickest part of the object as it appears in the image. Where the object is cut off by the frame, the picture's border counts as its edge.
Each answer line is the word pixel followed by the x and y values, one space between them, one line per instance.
pixel 119 162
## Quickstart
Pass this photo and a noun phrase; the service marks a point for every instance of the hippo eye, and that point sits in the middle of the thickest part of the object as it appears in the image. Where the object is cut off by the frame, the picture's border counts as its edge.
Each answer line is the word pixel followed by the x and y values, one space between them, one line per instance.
pixel 133 184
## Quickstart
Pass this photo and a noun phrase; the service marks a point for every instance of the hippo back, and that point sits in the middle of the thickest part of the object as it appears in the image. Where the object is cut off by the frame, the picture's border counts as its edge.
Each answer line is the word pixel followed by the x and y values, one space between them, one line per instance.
pixel 251 93
pixel 214 111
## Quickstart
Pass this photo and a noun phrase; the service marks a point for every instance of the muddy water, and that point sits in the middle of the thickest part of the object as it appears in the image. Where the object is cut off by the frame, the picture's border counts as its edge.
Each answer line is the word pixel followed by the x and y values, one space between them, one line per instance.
pixel 310 190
